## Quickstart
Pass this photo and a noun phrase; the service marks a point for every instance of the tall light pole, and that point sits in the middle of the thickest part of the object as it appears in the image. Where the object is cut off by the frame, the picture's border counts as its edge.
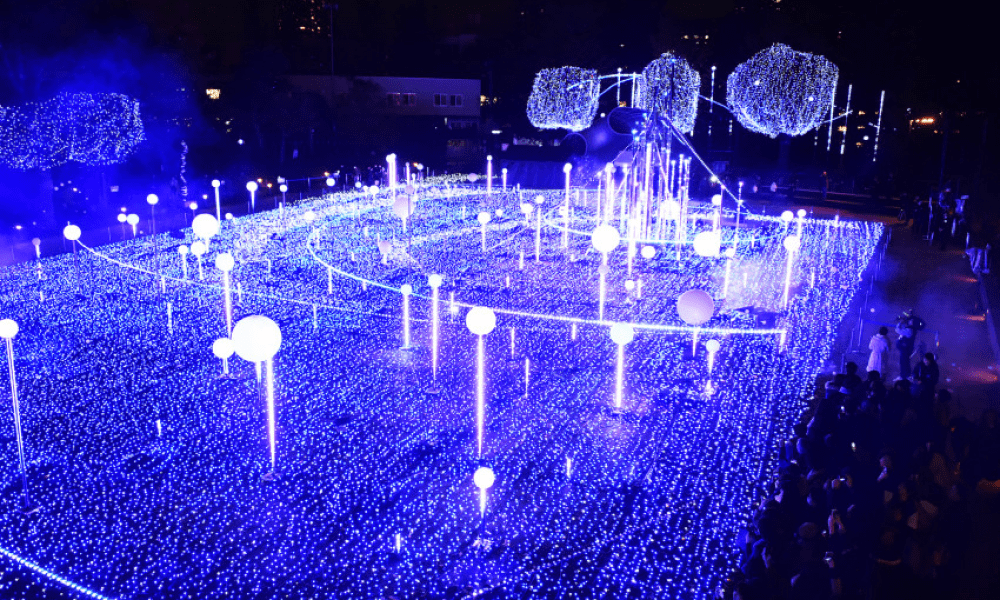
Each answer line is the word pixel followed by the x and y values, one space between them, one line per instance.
pixel 218 209
pixel 9 329
pixel 252 188
pixel 152 200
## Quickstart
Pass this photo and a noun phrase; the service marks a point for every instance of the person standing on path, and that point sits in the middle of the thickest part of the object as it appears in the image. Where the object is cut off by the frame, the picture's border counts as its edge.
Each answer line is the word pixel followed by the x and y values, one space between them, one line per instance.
pixel 907 327
pixel 879 347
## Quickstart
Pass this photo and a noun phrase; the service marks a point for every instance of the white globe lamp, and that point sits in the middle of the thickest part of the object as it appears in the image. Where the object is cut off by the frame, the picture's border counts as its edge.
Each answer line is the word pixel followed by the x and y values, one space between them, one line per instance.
pixel 622 333
pixel 695 307
pixel 707 244
pixel 256 338
pixel 481 320
pixel 605 238
pixel 8 329
pixel 225 262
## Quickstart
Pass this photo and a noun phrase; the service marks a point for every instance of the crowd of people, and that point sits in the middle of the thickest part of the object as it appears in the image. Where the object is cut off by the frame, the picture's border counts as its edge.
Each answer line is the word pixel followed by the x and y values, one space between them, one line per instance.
pixel 872 494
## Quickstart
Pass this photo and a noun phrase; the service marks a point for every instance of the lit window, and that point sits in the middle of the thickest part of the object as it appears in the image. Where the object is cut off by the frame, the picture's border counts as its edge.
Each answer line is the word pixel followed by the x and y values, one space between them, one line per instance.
pixel 213 93
pixel 455 100
pixel 409 99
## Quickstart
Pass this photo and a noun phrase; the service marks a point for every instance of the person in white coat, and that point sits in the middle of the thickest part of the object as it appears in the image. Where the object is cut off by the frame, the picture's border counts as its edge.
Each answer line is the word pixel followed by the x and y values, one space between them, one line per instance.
pixel 879 346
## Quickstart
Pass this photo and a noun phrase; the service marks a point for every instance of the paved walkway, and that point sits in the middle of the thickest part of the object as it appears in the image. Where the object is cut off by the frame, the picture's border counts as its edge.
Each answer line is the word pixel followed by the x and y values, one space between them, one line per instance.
pixel 942 289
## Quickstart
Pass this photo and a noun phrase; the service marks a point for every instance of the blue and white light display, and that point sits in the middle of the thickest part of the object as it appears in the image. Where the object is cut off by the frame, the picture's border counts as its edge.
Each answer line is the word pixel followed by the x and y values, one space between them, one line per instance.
pixel 669 87
pixel 148 463
pixel 564 98
pixel 92 129
pixel 781 91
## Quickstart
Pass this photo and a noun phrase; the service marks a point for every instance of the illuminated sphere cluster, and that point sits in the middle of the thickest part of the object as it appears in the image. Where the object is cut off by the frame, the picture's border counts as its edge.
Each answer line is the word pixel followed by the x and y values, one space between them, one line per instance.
pixel 782 91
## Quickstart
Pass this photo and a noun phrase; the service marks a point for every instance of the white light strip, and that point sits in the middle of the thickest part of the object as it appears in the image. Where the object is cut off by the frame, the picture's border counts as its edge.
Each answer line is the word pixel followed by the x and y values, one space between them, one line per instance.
pixel 53 576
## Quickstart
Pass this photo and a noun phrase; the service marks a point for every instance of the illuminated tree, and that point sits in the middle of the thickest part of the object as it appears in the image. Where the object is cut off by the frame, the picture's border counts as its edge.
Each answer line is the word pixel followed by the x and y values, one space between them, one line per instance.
pixel 780 90
pixel 92 129
pixel 669 86
pixel 564 98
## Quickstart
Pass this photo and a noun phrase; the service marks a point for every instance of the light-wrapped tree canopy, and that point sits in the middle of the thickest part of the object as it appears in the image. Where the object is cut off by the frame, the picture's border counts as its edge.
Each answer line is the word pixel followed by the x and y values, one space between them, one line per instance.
pixel 564 98
pixel 93 129
pixel 670 87
pixel 780 90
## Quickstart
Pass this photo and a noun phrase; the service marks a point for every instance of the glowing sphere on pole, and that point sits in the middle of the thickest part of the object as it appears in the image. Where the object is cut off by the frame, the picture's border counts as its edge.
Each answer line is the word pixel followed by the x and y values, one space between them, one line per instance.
pixel 216 183
pixel 199 248
pixel 251 186
pixel 712 346
pixel 132 219
pixel 787 216
pixel 256 338
pixel 205 226
pixel 481 320
pixel 605 238
pixel 182 250
pixel 8 329
pixel 484 478
pixel 309 216
pixel 792 243
pixel 648 252
pixel 283 188
pixel 71 233
pixel 152 199
pixel 801 213
pixel 225 262
pixel 223 348
pixel 717 200
pixel 622 333
pixel 708 244
pixel 484 218
pixel 435 280
pixel 330 181
pixel 122 217
pixel 695 307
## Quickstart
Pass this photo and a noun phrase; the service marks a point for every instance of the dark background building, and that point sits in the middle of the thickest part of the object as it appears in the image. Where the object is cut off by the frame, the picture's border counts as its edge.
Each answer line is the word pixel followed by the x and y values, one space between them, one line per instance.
pixel 215 72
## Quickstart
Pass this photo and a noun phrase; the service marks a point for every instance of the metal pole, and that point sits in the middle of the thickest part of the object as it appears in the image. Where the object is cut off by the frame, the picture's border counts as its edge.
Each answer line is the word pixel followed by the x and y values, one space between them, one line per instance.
pixel 17 423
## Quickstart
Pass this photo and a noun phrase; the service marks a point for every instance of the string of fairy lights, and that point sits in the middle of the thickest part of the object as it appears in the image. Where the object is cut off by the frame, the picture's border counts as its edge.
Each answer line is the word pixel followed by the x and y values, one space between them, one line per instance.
pixel 92 129
pixel 147 463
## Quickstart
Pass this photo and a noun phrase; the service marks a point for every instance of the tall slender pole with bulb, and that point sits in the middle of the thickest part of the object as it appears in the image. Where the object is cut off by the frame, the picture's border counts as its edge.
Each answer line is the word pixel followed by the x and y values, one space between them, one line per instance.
pixel 152 200
pixel 489 174
pixel 9 329
pixel 252 188
pixel 565 237
pixel 435 282
pixel 218 206
pixel 621 334
pixel 480 321
pixel 225 263
pixel 257 339
pixel 538 227
pixel 406 290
